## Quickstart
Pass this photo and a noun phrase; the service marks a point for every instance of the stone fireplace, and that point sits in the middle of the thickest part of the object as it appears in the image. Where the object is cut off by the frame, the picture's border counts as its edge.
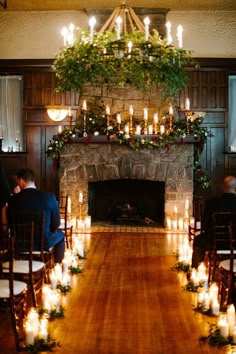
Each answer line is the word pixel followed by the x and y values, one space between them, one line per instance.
pixel 82 164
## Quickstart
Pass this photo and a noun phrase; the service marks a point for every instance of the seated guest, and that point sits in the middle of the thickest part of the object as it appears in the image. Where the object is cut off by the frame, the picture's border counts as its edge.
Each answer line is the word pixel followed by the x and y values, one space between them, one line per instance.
pixel 13 188
pixel 30 199
pixel 226 202
pixel 4 195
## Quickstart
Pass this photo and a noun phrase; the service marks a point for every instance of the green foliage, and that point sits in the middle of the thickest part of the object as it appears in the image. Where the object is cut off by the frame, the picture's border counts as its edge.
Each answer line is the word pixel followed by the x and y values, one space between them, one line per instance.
pixel 40 345
pixel 181 266
pixel 214 337
pixel 106 61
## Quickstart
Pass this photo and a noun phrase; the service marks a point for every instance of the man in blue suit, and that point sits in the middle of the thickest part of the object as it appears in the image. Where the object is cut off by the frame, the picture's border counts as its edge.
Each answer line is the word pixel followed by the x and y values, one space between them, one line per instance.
pixel 30 199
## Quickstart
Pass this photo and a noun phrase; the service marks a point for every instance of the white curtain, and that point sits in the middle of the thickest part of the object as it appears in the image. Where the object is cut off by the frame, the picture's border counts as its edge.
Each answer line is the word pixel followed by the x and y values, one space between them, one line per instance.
pixel 11 112
pixel 232 113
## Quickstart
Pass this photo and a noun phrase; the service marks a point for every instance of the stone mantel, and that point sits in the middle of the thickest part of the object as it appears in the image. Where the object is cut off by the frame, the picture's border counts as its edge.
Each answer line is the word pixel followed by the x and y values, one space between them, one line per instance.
pixel 100 161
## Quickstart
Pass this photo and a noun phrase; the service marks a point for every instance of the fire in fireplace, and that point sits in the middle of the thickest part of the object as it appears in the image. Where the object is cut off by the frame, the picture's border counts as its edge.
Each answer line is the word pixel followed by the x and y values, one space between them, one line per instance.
pixel 127 201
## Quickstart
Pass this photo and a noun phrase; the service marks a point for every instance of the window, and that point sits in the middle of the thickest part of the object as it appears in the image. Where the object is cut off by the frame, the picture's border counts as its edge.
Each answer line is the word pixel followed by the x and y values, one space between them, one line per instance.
pixel 11 112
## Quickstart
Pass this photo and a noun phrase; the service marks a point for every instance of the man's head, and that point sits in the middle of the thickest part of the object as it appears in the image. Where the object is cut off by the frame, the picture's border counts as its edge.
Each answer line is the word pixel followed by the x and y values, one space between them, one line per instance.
pixel 26 178
pixel 229 184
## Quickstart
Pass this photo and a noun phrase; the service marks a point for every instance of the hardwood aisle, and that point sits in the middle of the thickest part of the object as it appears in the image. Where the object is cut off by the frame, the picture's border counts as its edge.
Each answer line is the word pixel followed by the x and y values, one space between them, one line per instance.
pixel 129 301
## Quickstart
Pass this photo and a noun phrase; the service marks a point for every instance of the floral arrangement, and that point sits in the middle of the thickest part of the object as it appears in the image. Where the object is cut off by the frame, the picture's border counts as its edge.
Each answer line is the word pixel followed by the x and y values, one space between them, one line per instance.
pixel 108 61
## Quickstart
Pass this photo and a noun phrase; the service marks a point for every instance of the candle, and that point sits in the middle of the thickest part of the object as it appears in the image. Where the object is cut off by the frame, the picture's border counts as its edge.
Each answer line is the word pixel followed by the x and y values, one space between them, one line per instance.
pixel 70 36
pixel 81 197
pixel 118 27
pixel 130 45
pixel 69 205
pixel 118 118
pixel 92 23
pixel 180 36
pixel 147 23
pixel 29 334
pixel 175 211
pixel 171 111
pixel 138 129
pixel 168 34
pixel 126 128
pixel 53 279
pixel 69 112
pixel 168 223
pixel 174 225
pixel 84 105
pixel 150 129
pixel 234 335
pixel 131 110
pixel 59 129
pixel 224 328
pixel 145 113
pixel 155 118
pixel 88 222
pixel 108 110
pixel 162 129
pixel 187 104
pixel 215 308
pixel 181 224
pixel 186 204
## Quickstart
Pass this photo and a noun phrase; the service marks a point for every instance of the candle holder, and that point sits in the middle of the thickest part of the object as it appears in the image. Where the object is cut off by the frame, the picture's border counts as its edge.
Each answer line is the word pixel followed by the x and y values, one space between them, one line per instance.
pixel 84 114
pixel 145 127
pixel 1 140
pixel 170 123
pixel 80 209
pixel 187 118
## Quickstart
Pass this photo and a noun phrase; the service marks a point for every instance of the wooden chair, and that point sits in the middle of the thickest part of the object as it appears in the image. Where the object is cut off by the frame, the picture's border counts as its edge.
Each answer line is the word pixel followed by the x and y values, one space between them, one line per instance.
pixel 66 225
pixel 12 292
pixel 25 268
pixel 39 252
pixel 227 270
pixel 221 249
pixel 198 208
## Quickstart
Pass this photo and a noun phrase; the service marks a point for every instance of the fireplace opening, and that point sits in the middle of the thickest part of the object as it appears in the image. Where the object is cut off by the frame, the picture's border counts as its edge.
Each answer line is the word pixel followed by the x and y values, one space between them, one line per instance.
pixel 127 201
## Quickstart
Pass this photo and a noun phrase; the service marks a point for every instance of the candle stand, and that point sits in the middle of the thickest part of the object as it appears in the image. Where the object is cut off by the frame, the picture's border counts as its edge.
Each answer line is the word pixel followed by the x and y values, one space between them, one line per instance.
pixel 187 116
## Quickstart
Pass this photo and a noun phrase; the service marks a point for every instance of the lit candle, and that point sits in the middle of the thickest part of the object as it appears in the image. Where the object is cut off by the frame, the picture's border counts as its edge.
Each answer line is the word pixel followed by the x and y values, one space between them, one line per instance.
pixel 155 118
pixel 147 23
pixel 126 128
pixel 118 27
pixel 108 110
pixel 59 129
pixel 175 211
pixel 171 111
pixel 138 129
pixel 181 224
pixel 145 113
pixel 162 129
pixel 168 223
pixel 92 23
pixel 29 334
pixel 130 45
pixel 131 110
pixel 150 129
pixel 187 104
pixel 118 118
pixel 80 197
pixel 180 36
pixel 168 34
pixel 186 204
pixel 84 105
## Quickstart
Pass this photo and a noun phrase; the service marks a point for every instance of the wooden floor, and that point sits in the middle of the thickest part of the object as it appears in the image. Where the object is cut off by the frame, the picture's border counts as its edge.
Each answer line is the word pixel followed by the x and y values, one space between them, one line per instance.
pixel 127 301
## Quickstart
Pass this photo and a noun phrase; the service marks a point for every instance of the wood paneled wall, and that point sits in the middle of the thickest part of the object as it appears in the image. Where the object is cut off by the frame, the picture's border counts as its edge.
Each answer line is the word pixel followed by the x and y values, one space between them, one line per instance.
pixel 207 89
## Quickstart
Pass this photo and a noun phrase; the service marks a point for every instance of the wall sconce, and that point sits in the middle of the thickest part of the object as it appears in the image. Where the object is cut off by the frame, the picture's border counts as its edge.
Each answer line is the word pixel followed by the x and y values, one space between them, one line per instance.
pixel 57 114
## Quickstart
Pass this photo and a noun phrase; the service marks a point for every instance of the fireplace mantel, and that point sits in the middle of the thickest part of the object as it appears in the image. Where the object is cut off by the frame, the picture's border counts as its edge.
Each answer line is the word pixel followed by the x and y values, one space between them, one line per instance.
pixel 83 163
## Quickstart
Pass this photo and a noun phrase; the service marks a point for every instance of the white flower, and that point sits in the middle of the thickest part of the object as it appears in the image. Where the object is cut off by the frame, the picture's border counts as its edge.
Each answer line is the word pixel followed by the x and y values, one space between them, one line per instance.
pixel 73 135
pixel 126 136
pixel 142 141
pixel 96 133
pixel 109 127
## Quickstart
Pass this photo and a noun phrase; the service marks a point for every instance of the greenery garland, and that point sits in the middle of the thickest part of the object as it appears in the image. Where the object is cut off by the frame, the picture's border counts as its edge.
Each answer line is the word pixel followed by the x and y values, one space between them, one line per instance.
pixel 96 125
pixel 107 61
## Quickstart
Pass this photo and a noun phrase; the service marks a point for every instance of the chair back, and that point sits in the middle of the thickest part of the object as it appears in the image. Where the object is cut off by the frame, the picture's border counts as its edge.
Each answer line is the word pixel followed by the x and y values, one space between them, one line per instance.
pixel 63 206
pixel 38 219
pixel 222 229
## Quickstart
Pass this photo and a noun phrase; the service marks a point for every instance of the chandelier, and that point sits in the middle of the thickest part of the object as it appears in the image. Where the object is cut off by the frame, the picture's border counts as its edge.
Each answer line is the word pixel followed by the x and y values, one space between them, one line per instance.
pixel 123 52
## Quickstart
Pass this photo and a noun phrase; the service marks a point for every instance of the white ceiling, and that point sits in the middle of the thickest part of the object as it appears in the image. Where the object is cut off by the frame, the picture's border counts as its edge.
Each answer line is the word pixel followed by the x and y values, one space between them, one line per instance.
pixel 70 5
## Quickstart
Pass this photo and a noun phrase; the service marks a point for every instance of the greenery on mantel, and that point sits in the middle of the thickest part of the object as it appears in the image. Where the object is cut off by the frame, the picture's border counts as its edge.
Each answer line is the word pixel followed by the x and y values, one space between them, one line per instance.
pixel 96 124
pixel 108 61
